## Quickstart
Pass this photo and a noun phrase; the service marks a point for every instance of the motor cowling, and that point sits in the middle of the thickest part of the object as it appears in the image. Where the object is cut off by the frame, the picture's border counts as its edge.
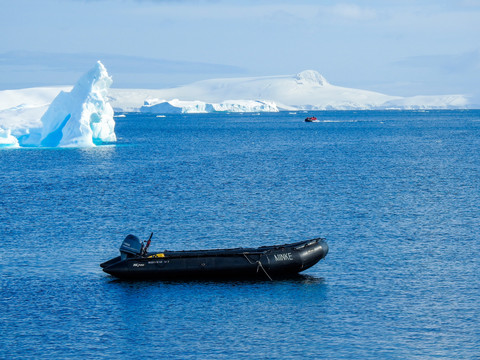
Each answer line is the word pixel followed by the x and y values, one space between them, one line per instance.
pixel 131 246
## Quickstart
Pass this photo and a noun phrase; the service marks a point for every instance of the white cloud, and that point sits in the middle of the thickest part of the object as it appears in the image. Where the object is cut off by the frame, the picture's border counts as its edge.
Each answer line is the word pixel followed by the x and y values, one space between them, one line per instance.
pixel 353 12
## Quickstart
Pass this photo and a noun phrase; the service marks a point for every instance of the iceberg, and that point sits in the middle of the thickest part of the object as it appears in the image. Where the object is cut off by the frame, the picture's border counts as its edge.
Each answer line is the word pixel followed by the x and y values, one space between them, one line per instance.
pixel 82 117
pixel 176 106
pixel 246 106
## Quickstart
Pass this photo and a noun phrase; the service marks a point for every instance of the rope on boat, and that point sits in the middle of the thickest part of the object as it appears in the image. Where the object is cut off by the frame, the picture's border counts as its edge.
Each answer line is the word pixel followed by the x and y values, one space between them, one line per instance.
pixel 259 266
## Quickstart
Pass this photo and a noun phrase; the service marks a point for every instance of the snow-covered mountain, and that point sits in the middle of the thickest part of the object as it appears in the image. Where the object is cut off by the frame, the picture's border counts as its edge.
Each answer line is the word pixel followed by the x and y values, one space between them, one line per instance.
pixel 307 90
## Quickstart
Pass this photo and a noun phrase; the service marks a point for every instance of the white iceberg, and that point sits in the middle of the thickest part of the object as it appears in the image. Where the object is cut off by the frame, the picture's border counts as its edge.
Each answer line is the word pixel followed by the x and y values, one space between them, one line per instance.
pixel 176 106
pixel 82 117
pixel 245 106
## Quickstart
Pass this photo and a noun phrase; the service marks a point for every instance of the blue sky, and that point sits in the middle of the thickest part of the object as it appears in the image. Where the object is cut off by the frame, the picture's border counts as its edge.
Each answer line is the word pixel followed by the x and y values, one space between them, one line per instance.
pixel 396 47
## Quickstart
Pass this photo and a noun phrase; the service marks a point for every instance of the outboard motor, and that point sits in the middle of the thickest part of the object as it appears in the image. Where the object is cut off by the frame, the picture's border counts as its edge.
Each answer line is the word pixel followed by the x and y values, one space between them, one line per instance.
pixel 131 247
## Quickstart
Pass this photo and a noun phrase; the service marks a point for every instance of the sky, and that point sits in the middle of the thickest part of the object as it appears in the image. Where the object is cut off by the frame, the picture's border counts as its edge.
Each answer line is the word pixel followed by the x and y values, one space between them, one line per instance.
pixel 397 47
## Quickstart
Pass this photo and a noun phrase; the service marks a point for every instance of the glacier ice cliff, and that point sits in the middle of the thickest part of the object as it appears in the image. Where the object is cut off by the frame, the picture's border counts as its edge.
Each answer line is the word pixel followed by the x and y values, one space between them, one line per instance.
pixel 177 106
pixel 82 117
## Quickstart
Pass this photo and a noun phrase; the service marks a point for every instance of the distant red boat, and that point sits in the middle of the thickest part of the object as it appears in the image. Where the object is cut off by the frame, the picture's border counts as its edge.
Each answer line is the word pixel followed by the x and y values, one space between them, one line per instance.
pixel 311 119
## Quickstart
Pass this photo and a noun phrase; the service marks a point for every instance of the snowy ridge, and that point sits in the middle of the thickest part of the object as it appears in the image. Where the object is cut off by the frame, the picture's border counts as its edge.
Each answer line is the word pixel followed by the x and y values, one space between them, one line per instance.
pixel 311 77
pixel 427 102
pixel 307 90
pixel 23 108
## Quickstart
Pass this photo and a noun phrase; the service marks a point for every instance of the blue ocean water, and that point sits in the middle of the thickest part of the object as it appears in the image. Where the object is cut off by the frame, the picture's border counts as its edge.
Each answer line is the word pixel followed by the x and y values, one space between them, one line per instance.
pixel 396 194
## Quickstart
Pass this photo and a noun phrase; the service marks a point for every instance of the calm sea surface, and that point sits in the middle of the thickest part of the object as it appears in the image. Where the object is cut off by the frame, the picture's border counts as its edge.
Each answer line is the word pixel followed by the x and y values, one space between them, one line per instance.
pixel 396 194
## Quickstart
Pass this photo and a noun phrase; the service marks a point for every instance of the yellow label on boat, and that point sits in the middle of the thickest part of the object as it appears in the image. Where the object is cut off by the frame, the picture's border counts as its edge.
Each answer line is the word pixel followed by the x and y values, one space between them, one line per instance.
pixel 161 255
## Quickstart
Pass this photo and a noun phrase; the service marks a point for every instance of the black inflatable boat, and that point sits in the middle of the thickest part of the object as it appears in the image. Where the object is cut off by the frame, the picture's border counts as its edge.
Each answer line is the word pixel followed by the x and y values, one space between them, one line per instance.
pixel 272 262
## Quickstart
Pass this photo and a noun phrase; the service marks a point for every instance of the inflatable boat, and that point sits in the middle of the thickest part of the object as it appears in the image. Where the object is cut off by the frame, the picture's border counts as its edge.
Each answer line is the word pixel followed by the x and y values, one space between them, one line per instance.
pixel 267 262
